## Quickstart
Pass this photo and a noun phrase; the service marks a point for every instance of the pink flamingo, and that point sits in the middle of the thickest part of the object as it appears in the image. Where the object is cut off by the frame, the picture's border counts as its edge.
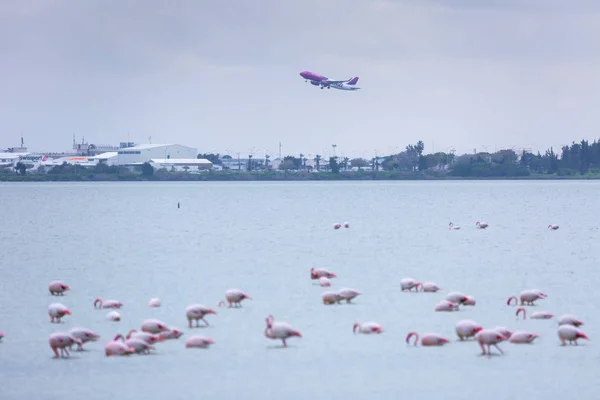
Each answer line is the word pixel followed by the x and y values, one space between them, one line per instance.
pixel 348 294
pixel 571 334
pixel 98 303
pixel 198 342
pixel 145 336
pixel 331 298
pixel 452 227
pixel 137 344
pixel 279 330
pixel 56 311
pixel 316 273
pixel 535 315
pixel 1 335
pixel 57 288
pixel 346 224
pixel 234 296
pixel 85 335
pixel 430 287
pixel 457 297
pixel 116 348
pixel 522 337
pixel 324 282
pixel 527 297
pixel 428 339
pixel 569 320
pixel 155 302
pixel 197 312
pixel 409 284
pixel 446 305
pixel 367 328
pixel 63 342
pixel 467 329
pixel 503 331
pixel 337 226
pixel 488 337
pixel 113 316
pixel 171 334
pixel 553 227
pixel 481 225
pixel 154 326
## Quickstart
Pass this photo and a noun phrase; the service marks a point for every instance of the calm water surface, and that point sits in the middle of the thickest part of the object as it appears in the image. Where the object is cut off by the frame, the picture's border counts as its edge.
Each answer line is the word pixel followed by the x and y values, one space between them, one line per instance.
pixel 129 242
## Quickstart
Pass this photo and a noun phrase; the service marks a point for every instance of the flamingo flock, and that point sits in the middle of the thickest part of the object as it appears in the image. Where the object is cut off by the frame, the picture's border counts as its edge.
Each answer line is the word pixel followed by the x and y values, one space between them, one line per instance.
pixel 152 331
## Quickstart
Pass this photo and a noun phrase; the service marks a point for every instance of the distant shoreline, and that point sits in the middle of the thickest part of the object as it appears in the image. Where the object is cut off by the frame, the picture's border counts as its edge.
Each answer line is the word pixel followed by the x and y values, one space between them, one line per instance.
pixel 279 177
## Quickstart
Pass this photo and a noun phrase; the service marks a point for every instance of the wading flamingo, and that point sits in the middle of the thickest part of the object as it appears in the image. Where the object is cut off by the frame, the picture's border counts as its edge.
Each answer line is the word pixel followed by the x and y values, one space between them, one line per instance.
pixel 481 225
pixel 553 227
pixel 489 338
pixel 139 345
pixel 63 342
pixel 535 315
pixel 527 297
pixel 569 320
pixel 234 297
pixel 58 288
pixel 446 305
pixel 171 334
pixel 198 342
pixel 571 334
pixel 337 226
pixel 503 331
pixel 452 227
pixel 99 303
pixel 324 282
pixel 367 328
pixel 85 335
pixel 430 287
pixel 279 330
pixel 331 298
pixel 155 302
pixel 522 337
pixel 154 326
pixel 56 311
pixel 409 284
pixel 316 273
pixel 197 312
pixel 428 339
pixel 116 348
pixel 457 297
pixel 346 224
pixel 348 294
pixel 466 329
pixel 145 336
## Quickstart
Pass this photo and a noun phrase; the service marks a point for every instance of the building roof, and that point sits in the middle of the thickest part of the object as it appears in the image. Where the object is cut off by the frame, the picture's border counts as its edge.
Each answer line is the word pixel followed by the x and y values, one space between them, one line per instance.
pixel 11 155
pixel 104 156
pixel 145 146
pixel 174 161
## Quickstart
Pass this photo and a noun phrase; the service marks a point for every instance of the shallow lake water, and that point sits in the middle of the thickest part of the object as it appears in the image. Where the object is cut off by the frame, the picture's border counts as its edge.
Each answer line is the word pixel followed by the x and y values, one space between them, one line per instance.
pixel 130 242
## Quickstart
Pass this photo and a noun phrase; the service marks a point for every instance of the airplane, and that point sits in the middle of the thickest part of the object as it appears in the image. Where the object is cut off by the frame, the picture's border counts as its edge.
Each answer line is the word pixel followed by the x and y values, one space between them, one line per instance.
pixel 320 80
pixel 346 86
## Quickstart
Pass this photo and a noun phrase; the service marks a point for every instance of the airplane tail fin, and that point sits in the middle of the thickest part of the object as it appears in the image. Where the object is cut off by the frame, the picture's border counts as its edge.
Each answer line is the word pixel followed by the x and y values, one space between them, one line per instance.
pixel 353 81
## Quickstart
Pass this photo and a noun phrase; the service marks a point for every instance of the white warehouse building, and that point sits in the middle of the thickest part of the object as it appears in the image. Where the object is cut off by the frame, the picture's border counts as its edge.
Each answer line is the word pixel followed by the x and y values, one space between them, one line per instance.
pixel 142 153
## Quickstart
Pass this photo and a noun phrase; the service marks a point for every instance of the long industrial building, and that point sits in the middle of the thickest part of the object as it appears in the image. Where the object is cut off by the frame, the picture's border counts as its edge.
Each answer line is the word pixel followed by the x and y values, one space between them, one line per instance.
pixel 142 153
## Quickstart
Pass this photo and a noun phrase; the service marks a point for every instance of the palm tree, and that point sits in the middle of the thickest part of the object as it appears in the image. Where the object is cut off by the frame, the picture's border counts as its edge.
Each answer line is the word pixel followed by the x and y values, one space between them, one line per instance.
pixel 318 161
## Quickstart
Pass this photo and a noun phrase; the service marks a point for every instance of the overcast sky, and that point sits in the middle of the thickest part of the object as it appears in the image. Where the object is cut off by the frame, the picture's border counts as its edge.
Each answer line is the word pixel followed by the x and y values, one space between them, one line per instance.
pixel 223 76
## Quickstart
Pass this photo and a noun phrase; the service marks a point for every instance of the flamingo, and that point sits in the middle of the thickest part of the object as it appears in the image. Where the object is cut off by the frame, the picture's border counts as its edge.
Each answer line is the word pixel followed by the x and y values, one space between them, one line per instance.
pixel 446 305
pixel 570 333
pixel 154 326
pixel 331 298
pixel 348 294
pixel 428 339
pixel 430 287
pixel 489 338
pixel 324 282
pixel 171 334
pixel 116 348
pixel 337 225
pixel 470 301
pixel 198 342
pixel 234 296
pixel 527 297
pixel 99 303
pixel 367 328
pixel 145 336
pixel 197 312
pixel 451 226
pixel 457 297
pixel 481 225
pixel 522 337
pixel 346 224
pixel 279 330
pixel 63 342
pixel 466 329
pixel 503 331
pixel 85 335
pixel 56 311
pixel 138 345
pixel 535 315
pixel 155 302
pixel 57 288
pixel 316 273
pixel 1 335
pixel 409 284
pixel 113 316
pixel 553 227
pixel 569 320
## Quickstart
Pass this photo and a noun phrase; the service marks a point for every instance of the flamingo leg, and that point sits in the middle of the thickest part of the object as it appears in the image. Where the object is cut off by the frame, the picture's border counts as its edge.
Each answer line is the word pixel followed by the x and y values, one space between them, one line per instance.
pixel 197 324
pixel 284 343
pixel 499 349
pixel 482 349
pixel 190 323
pixel 55 352
pixel 205 321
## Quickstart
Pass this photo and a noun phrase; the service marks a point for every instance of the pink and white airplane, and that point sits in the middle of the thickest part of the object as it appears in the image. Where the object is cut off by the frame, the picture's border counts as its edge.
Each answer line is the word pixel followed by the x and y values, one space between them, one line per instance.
pixel 323 81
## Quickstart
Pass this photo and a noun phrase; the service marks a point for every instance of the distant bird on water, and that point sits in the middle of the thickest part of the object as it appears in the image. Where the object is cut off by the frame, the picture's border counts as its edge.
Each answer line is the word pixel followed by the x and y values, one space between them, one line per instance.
pixel 178 205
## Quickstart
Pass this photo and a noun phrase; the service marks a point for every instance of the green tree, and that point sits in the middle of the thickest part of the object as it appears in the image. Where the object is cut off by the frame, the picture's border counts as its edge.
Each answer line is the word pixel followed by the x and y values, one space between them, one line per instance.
pixel 333 164
pixel 21 168
pixel 147 169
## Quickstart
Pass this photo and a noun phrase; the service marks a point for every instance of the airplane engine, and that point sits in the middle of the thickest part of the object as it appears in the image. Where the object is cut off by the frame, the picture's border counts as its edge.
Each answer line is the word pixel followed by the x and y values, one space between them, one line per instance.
pixel 316 83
